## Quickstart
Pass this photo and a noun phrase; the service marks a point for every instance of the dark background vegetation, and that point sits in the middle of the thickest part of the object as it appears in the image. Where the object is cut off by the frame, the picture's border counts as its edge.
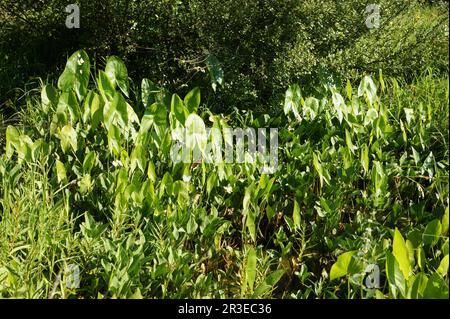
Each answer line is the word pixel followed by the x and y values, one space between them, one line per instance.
pixel 263 45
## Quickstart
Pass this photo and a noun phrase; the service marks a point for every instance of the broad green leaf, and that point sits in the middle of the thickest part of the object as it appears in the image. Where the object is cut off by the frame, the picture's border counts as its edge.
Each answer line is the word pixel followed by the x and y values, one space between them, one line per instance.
pixel 88 162
pixel 12 140
pixel 155 114
pixel 428 165
pixel 292 100
pixel 437 287
pixel 401 254
pixel 138 158
pixel 417 286
pixel 177 108
pixel 371 116
pixel 191 226
pixel 120 106
pixel 416 156
pixel 49 97
pixel 348 141
pixel 69 138
pixel 431 233
pixel 68 102
pixel 105 87
pixel 76 74
pixel 117 73
pixel 192 100
pixel 196 136
pixel 342 265
pixel 151 174
pixel 394 275
pixel 367 87
pixel 114 139
pixel 96 109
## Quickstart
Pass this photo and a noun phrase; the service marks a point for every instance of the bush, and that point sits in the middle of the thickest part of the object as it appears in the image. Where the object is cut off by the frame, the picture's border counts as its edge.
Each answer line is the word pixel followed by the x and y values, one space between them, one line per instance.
pixel 262 46
pixel 86 179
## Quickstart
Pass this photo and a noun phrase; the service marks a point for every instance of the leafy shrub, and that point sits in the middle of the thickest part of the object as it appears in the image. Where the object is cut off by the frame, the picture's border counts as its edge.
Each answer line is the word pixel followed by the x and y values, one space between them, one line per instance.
pixel 262 46
pixel 86 179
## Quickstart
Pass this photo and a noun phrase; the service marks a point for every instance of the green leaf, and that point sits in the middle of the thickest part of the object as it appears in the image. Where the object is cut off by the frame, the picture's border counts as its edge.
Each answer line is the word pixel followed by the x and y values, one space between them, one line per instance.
pixel 88 162
pixel 49 97
pixel 61 172
pixel 251 267
pixel 342 266
pixel 443 266
pixel 444 223
pixel 296 215
pixel 431 233
pixel 138 158
pixel 68 102
pixel 76 74
pixel 394 275
pixel 105 86
pixel 348 141
pixel 69 138
pixel 192 100
pixel 371 116
pixel 437 287
pixel 215 71
pixel 117 73
pixel 96 109
pixel 348 89
pixel 151 172
pixel 177 109
pixel 365 158
pixel 114 139
pixel 416 156
pixel 292 100
pixel 367 87
pixel 401 254
pixel 192 225
pixel 120 106
pixel 155 114
pixel 12 140
pixel 196 136
pixel 421 259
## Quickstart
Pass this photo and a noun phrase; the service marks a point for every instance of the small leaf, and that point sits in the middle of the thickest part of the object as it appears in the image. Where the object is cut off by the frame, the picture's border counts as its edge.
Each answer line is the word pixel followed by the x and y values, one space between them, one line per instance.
pixel 296 215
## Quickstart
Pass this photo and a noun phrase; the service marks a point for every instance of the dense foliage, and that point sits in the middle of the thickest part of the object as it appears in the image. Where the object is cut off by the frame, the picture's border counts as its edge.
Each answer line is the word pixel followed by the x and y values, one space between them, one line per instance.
pixel 260 46
pixel 87 179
